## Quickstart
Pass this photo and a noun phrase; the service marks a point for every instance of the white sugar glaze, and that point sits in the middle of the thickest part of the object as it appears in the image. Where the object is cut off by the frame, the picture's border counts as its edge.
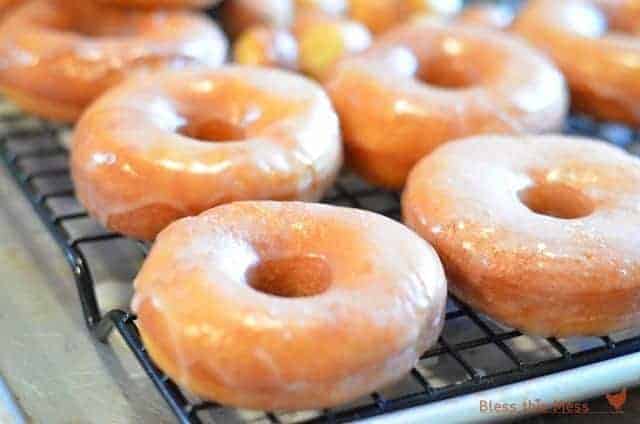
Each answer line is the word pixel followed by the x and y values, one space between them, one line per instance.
pixel 426 83
pixel 596 44
pixel 544 274
pixel 56 58
pixel 209 329
pixel 129 152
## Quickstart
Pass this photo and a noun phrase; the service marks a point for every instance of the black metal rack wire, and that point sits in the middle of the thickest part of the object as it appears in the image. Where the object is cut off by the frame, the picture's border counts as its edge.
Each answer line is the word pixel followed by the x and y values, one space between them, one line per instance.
pixel 25 141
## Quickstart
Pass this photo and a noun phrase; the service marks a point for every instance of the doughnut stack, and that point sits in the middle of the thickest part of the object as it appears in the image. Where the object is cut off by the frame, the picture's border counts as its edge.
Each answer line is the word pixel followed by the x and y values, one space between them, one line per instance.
pixel 249 282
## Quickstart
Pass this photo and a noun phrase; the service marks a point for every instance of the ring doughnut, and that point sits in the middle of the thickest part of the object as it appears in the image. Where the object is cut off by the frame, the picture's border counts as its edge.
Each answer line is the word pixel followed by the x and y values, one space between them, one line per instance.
pixel 426 83
pixel 492 15
pixel 158 4
pixel 143 154
pixel 315 43
pixel 540 233
pixel 604 81
pixel 269 292
pixel 56 58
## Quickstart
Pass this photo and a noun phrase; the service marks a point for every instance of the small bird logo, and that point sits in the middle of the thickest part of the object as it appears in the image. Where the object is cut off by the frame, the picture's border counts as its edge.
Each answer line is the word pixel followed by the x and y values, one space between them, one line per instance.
pixel 617 400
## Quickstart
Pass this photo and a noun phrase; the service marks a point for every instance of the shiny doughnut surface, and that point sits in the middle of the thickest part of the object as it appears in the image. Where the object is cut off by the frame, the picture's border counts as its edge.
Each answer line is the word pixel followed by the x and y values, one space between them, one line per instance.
pixel 492 15
pixel 600 61
pixel 245 303
pixel 174 144
pixel 426 83
pixel 538 232
pixel 56 57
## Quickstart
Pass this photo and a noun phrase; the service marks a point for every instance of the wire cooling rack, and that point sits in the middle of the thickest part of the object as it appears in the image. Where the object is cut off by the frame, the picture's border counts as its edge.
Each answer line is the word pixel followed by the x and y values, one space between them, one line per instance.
pixel 473 353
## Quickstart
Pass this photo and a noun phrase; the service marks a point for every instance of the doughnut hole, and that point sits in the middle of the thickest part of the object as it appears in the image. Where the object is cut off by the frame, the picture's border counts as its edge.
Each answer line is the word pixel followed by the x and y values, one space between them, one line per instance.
pixel 225 110
pixel 441 72
pixel 296 276
pixel 213 130
pixel 437 70
pixel 557 200
pixel 457 63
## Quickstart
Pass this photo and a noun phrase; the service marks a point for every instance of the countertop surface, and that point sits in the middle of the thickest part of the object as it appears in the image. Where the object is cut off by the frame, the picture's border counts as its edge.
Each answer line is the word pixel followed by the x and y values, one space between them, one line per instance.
pixel 55 370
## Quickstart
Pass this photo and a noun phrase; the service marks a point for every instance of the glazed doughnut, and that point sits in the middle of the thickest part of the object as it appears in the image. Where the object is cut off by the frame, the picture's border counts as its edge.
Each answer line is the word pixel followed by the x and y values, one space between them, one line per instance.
pixel 144 154
pixel 157 4
pixel 540 233
pixel 601 68
pixel 315 43
pixel 426 83
pixel 244 304
pixel 55 59
pixel 492 15
pixel 381 15
pixel 240 15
